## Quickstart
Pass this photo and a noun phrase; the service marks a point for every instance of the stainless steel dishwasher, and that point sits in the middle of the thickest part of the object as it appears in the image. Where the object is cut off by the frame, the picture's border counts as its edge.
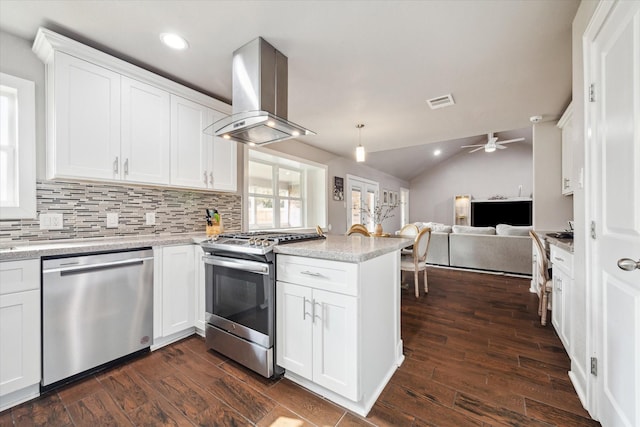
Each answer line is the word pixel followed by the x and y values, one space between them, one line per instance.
pixel 95 309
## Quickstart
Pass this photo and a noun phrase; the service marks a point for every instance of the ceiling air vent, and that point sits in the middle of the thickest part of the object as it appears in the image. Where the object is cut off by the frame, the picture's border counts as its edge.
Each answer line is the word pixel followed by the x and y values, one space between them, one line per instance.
pixel 441 101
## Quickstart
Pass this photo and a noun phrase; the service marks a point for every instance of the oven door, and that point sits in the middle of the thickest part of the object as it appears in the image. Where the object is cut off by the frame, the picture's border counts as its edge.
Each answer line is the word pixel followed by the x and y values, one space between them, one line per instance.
pixel 240 298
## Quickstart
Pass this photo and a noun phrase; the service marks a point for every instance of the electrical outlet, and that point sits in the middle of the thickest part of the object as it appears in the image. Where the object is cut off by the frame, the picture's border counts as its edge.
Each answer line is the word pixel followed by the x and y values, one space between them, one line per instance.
pixel 51 221
pixel 112 220
pixel 151 218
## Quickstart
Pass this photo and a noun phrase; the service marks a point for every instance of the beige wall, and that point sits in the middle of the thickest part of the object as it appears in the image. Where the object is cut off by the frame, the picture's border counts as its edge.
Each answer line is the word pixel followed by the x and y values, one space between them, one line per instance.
pixel 480 174
pixel 551 210
pixel 340 166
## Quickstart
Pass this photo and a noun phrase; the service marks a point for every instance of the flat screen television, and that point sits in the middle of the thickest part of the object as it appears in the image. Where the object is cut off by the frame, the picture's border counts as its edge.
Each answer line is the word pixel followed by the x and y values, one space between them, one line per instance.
pixel 490 213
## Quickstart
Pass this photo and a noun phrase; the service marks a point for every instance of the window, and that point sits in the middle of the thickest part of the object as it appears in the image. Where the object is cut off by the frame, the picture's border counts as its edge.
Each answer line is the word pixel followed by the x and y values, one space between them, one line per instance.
pixel 17 148
pixel 283 192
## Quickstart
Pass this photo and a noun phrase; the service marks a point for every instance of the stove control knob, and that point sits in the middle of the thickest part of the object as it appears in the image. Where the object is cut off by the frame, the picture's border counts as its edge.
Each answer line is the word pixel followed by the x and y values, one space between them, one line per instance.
pixel 265 242
pixel 252 241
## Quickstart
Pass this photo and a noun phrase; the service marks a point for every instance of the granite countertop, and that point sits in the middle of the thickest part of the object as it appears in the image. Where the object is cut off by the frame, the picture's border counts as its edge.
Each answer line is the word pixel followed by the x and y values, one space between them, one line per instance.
pixel 15 251
pixel 566 244
pixel 353 248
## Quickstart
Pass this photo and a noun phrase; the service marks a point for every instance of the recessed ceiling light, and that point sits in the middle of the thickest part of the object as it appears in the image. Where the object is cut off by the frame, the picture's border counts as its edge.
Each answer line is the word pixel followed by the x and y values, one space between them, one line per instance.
pixel 174 41
pixel 437 152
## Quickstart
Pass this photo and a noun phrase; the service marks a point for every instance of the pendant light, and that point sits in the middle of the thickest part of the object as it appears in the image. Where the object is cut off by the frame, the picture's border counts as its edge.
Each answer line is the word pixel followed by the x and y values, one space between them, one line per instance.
pixel 360 149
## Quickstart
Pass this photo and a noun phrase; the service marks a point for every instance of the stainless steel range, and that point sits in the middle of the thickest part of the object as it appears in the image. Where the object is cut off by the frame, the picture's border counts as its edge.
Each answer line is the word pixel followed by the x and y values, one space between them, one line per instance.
pixel 240 296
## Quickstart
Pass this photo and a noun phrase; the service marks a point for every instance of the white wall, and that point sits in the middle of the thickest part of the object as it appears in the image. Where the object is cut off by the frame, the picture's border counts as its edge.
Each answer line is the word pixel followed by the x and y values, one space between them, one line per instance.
pixel 479 174
pixel 551 210
pixel 340 166
pixel 17 59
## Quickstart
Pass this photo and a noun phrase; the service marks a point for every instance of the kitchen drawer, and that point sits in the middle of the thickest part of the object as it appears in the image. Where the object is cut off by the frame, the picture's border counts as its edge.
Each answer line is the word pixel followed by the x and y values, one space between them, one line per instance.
pixel 562 259
pixel 328 275
pixel 19 276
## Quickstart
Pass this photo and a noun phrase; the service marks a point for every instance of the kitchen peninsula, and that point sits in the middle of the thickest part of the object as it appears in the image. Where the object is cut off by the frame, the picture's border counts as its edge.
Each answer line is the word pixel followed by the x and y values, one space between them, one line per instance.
pixel 338 316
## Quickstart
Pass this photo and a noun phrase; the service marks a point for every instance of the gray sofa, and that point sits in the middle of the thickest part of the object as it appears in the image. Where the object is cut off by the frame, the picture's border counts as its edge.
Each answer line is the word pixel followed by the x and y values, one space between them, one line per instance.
pixel 509 251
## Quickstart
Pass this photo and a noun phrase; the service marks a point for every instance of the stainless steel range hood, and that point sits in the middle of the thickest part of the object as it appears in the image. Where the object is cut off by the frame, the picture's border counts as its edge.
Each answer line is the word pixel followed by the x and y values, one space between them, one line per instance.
pixel 259 98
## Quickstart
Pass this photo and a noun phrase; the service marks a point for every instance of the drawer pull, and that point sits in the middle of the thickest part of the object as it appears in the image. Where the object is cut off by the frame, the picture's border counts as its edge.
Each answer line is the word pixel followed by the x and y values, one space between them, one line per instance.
pixel 311 273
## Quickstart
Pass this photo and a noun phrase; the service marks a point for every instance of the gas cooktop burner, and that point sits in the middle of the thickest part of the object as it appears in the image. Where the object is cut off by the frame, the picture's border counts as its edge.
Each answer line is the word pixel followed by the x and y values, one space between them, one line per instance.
pixel 255 242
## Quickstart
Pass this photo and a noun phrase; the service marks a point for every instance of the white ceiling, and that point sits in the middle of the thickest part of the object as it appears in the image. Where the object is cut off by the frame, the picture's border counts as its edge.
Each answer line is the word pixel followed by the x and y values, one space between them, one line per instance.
pixel 371 62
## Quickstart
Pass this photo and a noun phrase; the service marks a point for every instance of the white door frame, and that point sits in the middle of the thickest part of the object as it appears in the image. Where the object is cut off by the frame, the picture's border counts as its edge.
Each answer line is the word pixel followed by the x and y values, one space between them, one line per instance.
pixel 353 180
pixel 404 193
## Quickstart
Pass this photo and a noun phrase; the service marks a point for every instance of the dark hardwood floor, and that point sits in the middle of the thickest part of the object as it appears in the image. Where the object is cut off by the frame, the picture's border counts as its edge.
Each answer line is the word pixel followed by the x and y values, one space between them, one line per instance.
pixel 476 355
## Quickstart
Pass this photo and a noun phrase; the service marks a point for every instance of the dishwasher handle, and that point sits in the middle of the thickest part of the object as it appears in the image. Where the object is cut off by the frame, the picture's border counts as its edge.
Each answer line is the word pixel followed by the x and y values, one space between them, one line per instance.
pixel 76 269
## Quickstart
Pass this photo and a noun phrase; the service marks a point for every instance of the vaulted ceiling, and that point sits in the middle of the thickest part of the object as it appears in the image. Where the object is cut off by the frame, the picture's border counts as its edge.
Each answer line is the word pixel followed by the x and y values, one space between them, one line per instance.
pixel 371 62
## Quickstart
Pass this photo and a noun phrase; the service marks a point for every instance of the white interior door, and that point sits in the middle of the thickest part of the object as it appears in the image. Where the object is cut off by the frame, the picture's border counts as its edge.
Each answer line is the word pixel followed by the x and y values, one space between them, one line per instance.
pixel 613 119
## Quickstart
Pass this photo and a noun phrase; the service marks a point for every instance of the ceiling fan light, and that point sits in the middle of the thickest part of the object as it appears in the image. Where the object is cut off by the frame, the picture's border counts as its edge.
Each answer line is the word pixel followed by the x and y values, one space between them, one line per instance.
pixel 489 148
pixel 360 154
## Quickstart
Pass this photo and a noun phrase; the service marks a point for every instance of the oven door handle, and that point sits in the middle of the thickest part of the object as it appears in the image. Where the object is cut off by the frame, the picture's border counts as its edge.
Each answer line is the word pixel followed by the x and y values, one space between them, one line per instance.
pixel 238 264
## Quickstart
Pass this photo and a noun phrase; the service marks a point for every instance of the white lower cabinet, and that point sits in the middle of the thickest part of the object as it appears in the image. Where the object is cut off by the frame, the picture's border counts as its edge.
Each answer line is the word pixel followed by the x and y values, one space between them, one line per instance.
pixel 19 331
pixel 317 336
pixel 174 293
pixel 562 262
pixel 338 326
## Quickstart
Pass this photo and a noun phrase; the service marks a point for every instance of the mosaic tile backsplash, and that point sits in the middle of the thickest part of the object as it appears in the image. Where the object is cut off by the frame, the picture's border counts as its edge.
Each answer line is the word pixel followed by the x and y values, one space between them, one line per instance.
pixel 84 207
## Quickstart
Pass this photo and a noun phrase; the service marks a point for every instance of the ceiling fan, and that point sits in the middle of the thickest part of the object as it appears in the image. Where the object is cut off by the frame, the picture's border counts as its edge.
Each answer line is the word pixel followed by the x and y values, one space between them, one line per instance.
pixel 492 144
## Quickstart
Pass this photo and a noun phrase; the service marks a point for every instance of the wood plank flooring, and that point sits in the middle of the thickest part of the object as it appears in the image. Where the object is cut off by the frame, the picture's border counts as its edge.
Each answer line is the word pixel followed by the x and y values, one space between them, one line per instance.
pixel 476 355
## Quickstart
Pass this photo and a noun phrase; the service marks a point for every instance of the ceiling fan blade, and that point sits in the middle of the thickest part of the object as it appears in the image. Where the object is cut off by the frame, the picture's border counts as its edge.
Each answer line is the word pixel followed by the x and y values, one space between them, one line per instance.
pixel 476 149
pixel 471 146
pixel 500 147
pixel 509 141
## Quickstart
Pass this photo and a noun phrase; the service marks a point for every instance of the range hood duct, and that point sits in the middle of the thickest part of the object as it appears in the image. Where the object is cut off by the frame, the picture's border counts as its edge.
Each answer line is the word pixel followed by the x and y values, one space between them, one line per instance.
pixel 259 98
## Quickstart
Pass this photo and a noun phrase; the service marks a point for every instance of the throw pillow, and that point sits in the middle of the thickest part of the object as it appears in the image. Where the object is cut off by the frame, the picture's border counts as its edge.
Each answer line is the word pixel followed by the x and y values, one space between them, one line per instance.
pixel 513 230
pixel 465 229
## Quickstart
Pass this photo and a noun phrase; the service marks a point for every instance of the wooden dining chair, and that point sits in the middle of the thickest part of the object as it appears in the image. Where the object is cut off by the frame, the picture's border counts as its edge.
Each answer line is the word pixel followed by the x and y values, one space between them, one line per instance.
pixel 417 260
pixel 544 283
pixel 408 230
pixel 358 229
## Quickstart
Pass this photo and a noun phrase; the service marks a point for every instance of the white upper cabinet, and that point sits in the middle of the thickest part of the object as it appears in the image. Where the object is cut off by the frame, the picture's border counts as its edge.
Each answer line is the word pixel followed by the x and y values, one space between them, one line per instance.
pixel 200 160
pixel 111 120
pixel 565 124
pixel 84 122
pixel 223 169
pixel 189 163
pixel 145 152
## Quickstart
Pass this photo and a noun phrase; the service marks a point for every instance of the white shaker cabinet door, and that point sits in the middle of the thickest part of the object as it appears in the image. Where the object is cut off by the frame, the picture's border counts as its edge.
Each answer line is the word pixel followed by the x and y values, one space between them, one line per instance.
pixel 294 328
pixel 223 157
pixel 189 144
pixel 145 145
pixel 86 122
pixel 335 350
pixel 19 326
pixel 178 297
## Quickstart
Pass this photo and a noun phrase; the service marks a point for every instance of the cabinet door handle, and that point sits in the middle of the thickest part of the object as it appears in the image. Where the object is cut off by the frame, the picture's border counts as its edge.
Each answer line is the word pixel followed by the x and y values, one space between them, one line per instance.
pixel 126 166
pixel 211 178
pixel 304 309
pixel 313 311
pixel 558 259
pixel 311 273
pixel 115 165
pixel 205 177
